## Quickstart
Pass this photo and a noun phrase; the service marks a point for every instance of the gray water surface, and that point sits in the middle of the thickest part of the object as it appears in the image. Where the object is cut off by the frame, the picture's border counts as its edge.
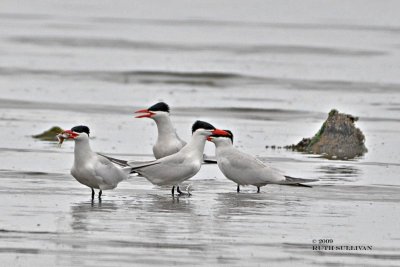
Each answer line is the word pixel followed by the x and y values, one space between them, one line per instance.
pixel 269 71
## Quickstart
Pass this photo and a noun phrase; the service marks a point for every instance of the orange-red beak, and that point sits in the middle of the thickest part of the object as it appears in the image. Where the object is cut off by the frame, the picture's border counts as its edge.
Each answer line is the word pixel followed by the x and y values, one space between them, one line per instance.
pixel 146 113
pixel 68 134
pixel 220 132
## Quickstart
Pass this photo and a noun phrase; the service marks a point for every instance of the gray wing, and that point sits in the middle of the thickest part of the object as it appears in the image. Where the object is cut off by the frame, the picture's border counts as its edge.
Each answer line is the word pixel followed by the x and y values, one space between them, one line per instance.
pixel 298 181
pixel 173 159
pixel 108 175
pixel 169 170
pixel 242 160
pixel 142 164
pixel 246 169
pixel 119 162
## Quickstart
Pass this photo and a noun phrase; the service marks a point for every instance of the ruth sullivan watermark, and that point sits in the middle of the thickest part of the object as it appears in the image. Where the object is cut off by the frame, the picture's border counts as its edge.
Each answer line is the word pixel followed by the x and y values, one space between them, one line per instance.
pixel 327 244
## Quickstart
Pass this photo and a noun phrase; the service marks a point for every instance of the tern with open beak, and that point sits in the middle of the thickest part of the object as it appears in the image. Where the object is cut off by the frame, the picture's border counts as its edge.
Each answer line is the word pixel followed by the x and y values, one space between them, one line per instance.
pixel 244 169
pixel 89 168
pixel 168 142
pixel 176 168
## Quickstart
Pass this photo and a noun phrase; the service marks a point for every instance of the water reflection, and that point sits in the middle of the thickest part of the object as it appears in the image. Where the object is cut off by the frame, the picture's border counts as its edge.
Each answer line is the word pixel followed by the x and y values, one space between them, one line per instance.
pixel 167 217
pixel 82 212
pixel 278 202
pixel 168 203
pixel 234 203
pixel 346 173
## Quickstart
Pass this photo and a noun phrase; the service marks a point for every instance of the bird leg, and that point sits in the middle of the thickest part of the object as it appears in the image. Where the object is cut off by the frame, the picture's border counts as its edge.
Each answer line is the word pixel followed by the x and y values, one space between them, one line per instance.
pixel 258 189
pixel 173 190
pixel 181 193
pixel 92 193
pixel 100 192
pixel 179 190
pixel 238 188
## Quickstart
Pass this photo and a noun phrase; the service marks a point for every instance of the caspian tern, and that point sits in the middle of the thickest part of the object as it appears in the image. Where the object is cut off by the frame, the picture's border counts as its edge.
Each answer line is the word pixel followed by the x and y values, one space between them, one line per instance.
pixel 178 167
pixel 244 169
pixel 89 168
pixel 168 142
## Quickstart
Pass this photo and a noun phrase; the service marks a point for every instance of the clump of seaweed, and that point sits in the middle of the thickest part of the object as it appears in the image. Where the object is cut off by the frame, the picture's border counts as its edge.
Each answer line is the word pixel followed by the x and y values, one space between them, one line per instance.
pixel 50 134
pixel 338 138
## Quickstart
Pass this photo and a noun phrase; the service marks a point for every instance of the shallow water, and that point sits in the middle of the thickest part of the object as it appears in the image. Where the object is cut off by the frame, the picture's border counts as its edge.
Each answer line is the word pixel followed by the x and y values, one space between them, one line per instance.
pixel 269 71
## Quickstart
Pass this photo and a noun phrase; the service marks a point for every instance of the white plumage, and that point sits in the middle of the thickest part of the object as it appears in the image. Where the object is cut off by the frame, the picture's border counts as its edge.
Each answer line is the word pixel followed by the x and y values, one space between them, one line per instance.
pixel 244 169
pixel 168 141
pixel 89 168
pixel 176 168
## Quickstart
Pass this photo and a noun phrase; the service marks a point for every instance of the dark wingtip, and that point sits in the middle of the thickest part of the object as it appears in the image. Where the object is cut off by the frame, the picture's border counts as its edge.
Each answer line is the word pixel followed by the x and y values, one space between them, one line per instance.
pixel 304 185
pixel 160 106
pixel 120 162
pixel 202 125
pixel 81 129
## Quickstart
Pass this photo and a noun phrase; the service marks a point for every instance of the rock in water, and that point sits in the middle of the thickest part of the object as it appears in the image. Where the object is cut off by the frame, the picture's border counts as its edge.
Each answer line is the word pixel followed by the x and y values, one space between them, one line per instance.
pixel 338 138
pixel 49 135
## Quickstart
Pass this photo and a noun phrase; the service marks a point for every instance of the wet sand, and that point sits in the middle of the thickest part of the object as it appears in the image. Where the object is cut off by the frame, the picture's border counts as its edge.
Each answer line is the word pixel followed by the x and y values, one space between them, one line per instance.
pixel 269 77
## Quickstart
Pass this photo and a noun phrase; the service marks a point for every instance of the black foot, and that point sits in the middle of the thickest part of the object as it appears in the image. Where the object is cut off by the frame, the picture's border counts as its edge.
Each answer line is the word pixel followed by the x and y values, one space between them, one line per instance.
pixel 173 190
pixel 179 190
pixel 101 192
pixel 181 193
pixel 238 188
pixel 258 189
pixel 92 193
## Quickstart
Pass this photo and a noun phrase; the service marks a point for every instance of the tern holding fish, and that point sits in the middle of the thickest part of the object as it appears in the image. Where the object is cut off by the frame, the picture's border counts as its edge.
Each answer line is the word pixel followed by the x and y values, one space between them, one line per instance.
pixel 89 168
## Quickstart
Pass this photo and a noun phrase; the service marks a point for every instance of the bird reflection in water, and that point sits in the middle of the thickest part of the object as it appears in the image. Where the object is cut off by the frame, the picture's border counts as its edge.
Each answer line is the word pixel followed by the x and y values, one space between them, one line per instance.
pixel 84 211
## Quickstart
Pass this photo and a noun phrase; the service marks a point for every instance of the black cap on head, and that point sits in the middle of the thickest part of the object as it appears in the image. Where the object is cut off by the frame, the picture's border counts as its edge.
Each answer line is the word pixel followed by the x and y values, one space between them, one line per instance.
pixel 81 129
pixel 161 106
pixel 202 125
pixel 230 135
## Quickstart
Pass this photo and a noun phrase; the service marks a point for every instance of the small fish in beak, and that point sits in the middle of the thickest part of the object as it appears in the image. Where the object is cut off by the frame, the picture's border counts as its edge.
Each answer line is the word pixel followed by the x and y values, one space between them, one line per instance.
pixel 61 139
pixel 64 135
